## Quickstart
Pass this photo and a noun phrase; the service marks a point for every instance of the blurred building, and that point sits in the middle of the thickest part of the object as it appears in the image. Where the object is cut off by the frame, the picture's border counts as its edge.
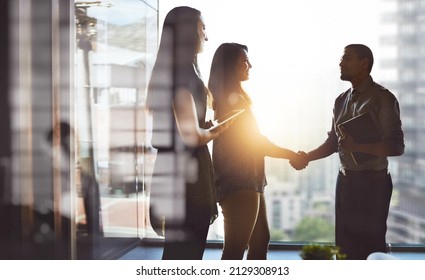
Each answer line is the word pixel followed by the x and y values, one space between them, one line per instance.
pixel 406 223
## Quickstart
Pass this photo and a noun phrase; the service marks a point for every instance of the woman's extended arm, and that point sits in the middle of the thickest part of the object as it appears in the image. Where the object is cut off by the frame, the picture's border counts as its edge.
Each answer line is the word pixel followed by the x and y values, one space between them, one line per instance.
pixel 275 151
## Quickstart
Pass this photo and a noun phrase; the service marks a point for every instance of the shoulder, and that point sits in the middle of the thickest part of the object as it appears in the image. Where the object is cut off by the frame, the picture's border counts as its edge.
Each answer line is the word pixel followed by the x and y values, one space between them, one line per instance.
pixel 184 73
pixel 342 97
pixel 385 100
pixel 380 88
pixel 186 76
pixel 383 93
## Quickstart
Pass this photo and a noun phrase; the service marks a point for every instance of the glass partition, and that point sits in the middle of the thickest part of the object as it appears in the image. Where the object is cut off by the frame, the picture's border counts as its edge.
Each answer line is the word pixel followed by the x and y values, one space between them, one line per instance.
pixel 115 45
pixel 74 153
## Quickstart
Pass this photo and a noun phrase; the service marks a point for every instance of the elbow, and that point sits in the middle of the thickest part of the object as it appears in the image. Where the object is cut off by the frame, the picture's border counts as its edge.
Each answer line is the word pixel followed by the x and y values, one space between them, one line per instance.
pixel 400 151
pixel 193 140
pixel 397 151
pixel 396 144
pixel 190 139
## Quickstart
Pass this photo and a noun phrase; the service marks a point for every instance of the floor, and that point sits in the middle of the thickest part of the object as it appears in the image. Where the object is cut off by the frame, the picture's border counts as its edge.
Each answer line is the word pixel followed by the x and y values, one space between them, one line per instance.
pixel 154 253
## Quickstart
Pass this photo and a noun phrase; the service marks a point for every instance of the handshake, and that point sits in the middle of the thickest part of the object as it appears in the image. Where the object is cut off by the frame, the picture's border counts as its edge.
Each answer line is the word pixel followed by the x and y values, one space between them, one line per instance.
pixel 300 161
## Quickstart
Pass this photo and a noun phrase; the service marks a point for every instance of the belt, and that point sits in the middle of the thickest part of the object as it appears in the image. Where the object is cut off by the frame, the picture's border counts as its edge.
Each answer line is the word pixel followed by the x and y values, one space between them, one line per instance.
pixel 359 173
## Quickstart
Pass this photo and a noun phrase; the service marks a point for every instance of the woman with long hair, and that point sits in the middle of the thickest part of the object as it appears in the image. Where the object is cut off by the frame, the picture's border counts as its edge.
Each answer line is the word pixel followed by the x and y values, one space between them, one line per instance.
pixel 238 157
pixel 182 196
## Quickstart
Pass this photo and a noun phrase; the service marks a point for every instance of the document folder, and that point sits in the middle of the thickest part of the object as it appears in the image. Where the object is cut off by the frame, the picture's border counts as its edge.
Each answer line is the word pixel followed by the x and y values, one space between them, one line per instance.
pixel 363 130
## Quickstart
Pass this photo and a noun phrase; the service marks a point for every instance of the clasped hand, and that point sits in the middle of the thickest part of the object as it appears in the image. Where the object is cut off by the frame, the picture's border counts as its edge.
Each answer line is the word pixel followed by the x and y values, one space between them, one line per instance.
pixel 300 161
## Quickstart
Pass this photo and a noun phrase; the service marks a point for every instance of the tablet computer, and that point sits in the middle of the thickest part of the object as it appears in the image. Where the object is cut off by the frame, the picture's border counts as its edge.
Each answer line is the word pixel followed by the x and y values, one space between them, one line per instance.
pixel 226 118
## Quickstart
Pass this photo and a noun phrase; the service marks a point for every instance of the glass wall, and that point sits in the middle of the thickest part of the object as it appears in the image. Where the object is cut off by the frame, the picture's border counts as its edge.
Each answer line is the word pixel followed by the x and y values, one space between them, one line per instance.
pixel 74 150
pixel 115 45
pixel 38 177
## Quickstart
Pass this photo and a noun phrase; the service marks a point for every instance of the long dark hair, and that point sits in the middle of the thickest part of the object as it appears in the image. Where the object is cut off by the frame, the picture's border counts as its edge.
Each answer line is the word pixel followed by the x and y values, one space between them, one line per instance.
pixel 178 47
pixel 223 81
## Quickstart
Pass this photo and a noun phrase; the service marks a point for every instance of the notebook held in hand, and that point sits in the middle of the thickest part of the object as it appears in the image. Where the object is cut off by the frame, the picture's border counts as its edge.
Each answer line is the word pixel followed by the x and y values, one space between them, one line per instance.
pixel 363 130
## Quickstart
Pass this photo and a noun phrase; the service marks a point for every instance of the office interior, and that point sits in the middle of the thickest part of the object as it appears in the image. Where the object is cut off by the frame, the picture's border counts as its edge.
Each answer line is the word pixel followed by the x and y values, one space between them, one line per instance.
pixel 75 156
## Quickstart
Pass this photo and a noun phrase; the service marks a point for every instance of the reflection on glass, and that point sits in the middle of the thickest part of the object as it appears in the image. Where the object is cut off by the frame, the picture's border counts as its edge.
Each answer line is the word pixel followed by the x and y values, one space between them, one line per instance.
pixel 115 40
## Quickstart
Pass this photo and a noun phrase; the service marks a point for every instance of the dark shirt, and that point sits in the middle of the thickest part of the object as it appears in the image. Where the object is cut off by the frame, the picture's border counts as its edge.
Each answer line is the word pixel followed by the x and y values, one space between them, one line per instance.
pixel 180 171
pixel 161 94
pixel 238 155
pixel 384 110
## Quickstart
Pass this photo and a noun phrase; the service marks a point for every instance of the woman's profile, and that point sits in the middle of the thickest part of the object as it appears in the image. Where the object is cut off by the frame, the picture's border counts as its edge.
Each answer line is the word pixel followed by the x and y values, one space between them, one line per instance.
pixel 182 198
pixel 238 157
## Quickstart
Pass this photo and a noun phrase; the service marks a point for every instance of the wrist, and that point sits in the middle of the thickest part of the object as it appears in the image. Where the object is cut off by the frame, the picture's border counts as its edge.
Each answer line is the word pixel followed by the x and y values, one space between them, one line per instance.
pixel 307 157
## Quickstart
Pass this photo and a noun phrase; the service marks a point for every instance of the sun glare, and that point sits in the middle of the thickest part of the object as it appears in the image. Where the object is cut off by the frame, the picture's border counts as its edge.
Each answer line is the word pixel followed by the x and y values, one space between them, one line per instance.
pixel 295 74
pixel 280 120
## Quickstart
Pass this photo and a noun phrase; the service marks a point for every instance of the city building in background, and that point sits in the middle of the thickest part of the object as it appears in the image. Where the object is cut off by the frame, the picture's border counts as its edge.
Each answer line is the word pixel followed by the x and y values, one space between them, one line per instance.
pixel 406 222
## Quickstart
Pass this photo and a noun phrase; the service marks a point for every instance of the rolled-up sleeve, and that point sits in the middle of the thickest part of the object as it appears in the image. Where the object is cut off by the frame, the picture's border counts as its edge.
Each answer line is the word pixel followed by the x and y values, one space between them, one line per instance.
pixel 390 122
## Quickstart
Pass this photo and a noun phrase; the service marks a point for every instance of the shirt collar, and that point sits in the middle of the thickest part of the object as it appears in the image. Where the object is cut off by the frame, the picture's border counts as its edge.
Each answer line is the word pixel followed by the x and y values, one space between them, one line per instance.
pixel 364 85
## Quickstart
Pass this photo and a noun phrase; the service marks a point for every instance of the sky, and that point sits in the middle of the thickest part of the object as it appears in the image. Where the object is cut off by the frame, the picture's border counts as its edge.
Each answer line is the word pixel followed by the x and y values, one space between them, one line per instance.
pixel 295 48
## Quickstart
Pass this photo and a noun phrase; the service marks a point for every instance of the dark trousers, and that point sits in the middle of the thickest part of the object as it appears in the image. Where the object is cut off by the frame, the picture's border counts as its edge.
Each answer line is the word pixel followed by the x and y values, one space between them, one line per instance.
pixel 361 210
pixel 245 225
pixel 186 241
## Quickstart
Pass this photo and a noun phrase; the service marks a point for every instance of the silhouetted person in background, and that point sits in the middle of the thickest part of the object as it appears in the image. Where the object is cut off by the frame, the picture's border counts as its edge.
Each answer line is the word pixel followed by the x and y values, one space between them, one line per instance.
pixel 89 185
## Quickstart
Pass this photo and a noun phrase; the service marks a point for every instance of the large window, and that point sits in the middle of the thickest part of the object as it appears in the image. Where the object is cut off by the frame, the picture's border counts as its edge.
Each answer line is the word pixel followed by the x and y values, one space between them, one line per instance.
pixel 295 50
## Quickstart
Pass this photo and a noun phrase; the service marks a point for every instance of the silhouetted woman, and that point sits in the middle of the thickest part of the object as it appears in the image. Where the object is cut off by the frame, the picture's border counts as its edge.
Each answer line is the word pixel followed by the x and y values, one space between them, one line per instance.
pixel 183 203
pixel 238 158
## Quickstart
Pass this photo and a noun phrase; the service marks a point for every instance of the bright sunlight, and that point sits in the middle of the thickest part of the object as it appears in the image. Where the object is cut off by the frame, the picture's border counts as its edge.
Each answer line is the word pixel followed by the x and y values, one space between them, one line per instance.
pixel 295 74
